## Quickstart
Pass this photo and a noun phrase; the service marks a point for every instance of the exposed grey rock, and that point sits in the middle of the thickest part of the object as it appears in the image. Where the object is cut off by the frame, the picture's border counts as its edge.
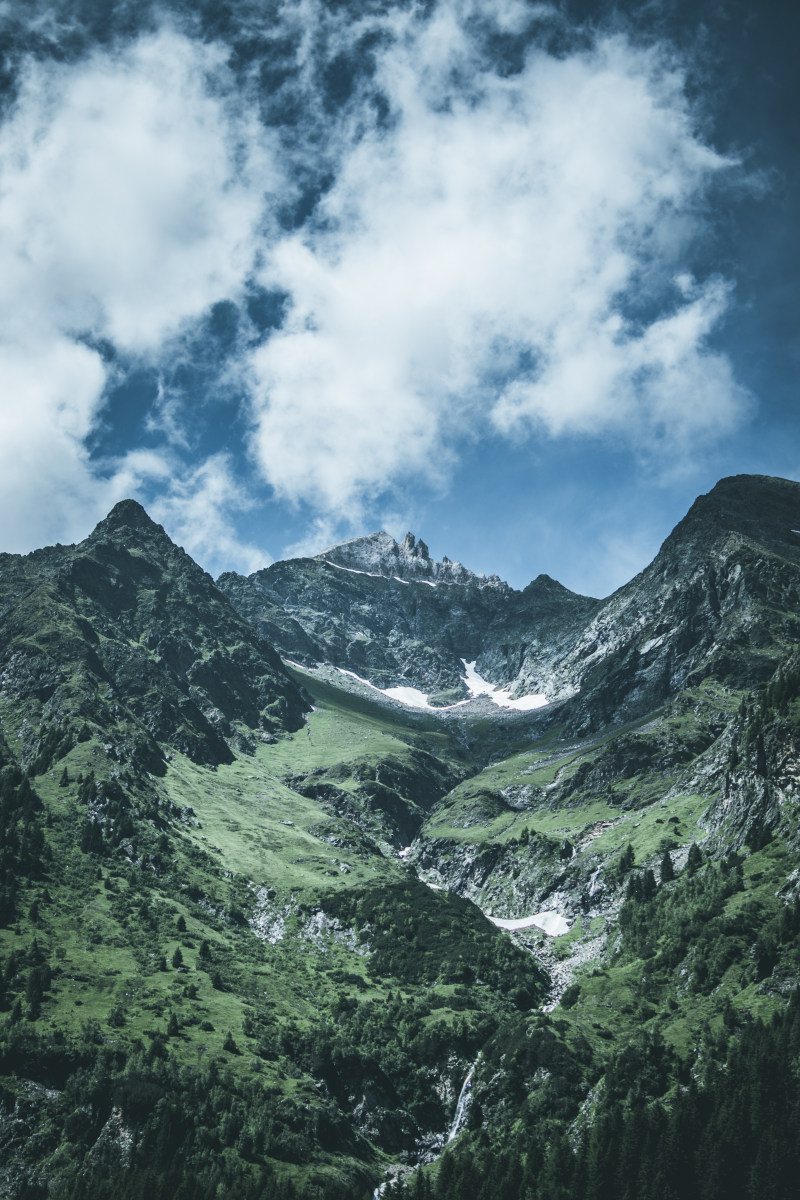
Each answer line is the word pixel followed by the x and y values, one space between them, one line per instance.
pixel 379 554
pixel 383 619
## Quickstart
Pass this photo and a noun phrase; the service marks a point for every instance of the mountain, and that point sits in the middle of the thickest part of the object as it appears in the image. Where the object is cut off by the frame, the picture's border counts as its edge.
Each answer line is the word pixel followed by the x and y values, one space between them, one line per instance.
pixel 380 554
pixel 393 616
pixel 125 637
pixel 396 617
pixel 720 600
pixel 514 912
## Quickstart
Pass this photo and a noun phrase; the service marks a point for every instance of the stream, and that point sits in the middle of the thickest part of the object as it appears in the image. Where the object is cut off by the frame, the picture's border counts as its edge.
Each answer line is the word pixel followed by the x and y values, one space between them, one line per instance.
pixel 464 1097
pixel 459 1119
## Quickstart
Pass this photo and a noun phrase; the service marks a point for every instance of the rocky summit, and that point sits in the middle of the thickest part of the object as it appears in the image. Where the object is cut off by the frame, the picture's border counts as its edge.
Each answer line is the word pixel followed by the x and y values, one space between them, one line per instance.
pixel 380 554
pixel 368 875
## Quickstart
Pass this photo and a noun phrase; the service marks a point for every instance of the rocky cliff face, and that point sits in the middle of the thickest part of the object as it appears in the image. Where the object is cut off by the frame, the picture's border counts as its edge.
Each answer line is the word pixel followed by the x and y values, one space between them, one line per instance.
pixel 720 600
pixel 125 634
pixel 394 616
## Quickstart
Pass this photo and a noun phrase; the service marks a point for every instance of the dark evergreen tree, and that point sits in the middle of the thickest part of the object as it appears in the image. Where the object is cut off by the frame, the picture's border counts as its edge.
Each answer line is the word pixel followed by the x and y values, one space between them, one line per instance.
pixel 695 858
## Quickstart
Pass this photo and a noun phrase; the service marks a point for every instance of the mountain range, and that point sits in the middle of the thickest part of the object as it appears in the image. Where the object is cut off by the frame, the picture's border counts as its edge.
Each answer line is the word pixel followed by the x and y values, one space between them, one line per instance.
pixel 365 871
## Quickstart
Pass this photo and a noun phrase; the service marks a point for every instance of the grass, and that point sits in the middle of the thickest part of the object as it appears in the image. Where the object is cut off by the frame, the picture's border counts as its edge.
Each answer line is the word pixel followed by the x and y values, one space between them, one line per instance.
pixel 252 819
pixel 242 839
pixel 676 820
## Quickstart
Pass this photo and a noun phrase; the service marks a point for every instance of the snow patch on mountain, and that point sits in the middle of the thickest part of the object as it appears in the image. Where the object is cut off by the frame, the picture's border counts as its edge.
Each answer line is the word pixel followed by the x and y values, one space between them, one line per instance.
pixel 410 696
pixel 413 697
pixel 351 570
pixel 552 922
pixel 477 686
pixel 378 554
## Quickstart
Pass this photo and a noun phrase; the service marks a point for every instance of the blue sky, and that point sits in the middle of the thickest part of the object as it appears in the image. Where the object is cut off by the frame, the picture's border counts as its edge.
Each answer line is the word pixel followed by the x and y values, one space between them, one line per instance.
pixel 521 277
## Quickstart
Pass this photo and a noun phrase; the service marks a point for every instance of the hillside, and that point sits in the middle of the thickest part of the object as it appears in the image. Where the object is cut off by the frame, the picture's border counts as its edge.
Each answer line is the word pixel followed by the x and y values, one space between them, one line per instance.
pixel 267 931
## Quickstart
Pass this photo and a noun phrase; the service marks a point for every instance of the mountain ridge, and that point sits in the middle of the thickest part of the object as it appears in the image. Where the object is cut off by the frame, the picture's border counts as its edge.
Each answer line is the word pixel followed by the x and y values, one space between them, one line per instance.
pixel 265 932
pixel 543 640
pixel 378 553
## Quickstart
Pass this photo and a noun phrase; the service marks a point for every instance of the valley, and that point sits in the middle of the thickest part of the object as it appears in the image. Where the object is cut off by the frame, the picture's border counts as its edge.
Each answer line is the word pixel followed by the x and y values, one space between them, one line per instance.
pixel 269 931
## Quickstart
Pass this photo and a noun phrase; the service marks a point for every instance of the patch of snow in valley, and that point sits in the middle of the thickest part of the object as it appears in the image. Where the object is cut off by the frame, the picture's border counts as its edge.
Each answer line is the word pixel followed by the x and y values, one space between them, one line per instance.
pixel 407 695
pixel 553 924
pixel 358 678
pixel 477 686
pixel 412 697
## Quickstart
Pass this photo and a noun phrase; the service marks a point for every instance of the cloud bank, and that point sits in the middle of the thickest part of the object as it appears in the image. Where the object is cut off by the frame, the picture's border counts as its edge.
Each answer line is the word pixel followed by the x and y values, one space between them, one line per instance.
pixel 507 255
pixel 485 247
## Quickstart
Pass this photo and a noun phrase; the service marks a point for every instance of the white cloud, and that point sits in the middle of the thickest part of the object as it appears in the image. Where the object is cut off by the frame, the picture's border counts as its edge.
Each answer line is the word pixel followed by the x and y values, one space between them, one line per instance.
pixel 132 194
pixel 507 253
pixel 321 533
pixel 198 511
pixel 659 385
pixel 50 388
pixel 485 261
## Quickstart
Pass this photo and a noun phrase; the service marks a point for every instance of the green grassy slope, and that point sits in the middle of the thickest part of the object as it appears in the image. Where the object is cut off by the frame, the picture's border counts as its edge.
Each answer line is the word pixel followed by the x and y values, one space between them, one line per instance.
pixel 219 977
pixel 223 921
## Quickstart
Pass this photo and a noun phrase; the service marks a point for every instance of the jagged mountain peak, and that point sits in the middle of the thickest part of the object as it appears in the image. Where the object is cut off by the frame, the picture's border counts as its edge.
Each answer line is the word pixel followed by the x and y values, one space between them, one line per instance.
pixel 379 554
pixel 545 585
pixel 130 615
pixel 129 529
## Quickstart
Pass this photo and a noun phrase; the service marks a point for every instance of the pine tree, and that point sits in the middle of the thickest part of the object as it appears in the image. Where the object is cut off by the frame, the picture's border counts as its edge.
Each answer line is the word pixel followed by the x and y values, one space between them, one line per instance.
pixel 91 837
pixel 667 871
pixel 695 859
pixel 649 888
pixel 626 861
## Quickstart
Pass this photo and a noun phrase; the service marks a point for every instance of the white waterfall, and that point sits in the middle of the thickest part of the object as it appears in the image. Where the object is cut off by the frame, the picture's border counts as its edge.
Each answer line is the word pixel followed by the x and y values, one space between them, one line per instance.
pixel 464 1098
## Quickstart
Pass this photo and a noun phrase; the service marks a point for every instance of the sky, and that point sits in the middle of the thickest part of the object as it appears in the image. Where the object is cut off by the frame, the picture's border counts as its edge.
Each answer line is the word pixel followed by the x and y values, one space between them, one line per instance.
pixel 521 277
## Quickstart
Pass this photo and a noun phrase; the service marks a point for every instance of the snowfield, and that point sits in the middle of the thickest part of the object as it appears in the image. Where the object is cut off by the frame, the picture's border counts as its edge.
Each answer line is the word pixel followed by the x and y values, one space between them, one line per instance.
pixel 412 697
pixel 478 686
pixel 553 924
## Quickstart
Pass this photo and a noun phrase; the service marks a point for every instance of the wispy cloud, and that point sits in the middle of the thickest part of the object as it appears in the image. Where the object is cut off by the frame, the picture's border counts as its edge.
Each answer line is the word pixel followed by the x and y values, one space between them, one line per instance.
pixel 199 511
